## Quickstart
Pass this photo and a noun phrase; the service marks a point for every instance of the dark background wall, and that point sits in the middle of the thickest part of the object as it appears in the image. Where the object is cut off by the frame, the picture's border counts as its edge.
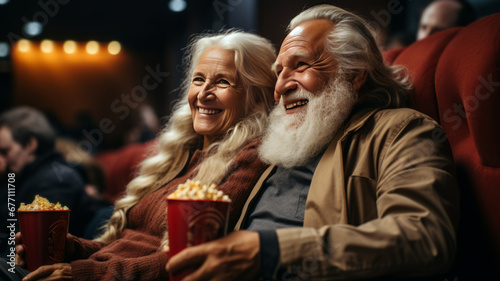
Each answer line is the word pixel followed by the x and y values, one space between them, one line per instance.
pixel 79 92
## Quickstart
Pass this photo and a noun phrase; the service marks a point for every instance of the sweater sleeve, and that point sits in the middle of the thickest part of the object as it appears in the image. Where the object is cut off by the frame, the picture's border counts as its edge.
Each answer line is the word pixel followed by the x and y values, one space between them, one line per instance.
pixel 243 174
pixel 148 267
pixel 414 230
pixel 84 248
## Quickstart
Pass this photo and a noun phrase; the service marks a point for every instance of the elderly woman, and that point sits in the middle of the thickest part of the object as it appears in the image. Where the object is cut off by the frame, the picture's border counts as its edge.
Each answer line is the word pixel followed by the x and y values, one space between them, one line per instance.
pixel 212 137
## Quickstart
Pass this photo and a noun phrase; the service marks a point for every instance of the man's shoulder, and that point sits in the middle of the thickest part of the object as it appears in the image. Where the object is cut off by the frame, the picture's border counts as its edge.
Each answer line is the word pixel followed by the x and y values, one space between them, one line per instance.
pixel 400 115
pixel 54 170
pixel 395 118
pixel 378 123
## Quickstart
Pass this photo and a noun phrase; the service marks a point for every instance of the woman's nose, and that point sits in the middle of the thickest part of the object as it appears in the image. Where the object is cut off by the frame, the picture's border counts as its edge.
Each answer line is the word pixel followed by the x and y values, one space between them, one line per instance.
pixel 206 92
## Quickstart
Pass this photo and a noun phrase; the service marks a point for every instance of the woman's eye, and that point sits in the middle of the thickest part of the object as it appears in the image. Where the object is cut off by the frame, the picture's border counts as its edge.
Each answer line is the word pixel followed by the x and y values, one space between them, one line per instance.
pixel 198 81
pixel 223 83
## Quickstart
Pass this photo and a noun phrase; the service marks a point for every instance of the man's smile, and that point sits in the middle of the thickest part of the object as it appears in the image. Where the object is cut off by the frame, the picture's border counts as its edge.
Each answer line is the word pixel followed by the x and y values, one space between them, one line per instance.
pixel 296 104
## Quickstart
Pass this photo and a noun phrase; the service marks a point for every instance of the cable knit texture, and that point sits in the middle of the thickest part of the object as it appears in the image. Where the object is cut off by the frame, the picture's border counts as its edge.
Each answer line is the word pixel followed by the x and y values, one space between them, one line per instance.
pixel 135 256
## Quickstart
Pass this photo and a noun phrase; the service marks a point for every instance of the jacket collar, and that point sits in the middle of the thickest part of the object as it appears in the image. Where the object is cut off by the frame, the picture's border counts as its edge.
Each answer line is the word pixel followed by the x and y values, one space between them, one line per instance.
pixel 356 120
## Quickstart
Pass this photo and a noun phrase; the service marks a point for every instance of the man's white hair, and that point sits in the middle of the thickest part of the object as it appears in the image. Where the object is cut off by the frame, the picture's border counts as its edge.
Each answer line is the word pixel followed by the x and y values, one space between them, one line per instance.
pixel 354 48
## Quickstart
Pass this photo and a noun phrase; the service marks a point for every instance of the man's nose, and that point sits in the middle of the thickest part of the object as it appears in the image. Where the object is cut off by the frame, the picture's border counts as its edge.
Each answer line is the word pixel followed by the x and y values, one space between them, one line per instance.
pixel 284 84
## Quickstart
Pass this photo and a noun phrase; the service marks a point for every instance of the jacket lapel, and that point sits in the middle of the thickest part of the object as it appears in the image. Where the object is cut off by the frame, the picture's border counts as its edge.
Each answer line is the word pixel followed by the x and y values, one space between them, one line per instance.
pixel 326 202
pixel 327 193
pixel 251 197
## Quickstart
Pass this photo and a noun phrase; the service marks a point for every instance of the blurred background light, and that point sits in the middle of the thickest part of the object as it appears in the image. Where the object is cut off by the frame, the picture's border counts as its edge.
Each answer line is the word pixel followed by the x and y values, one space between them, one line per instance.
pixel 4 49
pixel 23 45
pixel 3 2
pixel 47 46
pixel 33 28
pixel 69 47
pixel 177 5
pixel 114 47
pixel 92 47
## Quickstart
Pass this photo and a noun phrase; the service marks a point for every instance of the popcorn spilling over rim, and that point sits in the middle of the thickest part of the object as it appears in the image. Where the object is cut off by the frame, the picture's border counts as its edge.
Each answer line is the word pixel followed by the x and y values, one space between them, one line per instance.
pixel 42 204
pixel 194 190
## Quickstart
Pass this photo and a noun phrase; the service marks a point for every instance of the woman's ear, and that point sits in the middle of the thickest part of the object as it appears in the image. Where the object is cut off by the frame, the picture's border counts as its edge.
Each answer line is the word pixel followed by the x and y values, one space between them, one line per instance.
pixel 359 80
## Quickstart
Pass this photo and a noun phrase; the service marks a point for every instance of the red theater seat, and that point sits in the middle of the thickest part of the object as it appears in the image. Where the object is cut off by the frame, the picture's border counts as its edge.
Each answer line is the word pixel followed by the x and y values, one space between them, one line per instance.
pixel 120 167
pixel 456 74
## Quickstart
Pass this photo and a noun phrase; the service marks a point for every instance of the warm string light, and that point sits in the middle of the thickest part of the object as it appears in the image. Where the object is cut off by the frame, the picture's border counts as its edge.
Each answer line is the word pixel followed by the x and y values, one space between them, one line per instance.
pixel 23 45
pixel 114 47
pixel 47 46
pixel 92 47
pixel 69 46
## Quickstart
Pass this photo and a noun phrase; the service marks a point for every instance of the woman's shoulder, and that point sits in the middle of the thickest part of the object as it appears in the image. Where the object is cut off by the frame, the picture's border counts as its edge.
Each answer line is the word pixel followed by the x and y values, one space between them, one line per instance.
pixel 249 151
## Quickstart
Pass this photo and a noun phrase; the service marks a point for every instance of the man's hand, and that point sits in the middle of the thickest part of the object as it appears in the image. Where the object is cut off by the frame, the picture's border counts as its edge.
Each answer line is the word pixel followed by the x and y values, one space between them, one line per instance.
pixel 58 271
pixel 234 257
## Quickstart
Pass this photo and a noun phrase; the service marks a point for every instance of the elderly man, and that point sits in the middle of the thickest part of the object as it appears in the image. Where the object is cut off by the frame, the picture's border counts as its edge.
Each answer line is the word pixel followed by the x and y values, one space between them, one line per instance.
pixel 358 187
pixel 442 14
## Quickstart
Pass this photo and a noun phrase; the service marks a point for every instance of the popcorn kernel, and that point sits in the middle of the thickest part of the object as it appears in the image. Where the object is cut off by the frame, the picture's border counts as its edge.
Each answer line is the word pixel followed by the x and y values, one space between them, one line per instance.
pixel 195 190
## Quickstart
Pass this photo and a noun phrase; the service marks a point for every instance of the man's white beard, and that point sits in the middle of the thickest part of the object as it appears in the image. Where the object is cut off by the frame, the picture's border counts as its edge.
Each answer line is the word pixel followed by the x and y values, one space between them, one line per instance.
pixel 294 139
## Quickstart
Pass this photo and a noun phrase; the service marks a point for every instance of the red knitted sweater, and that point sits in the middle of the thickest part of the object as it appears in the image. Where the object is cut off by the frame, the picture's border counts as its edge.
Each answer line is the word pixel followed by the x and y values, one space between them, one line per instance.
pixel 136 255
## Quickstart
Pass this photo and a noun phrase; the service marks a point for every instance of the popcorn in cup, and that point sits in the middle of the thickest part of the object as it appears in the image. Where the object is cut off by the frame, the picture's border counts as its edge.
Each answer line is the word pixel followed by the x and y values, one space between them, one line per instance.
pixel 196 214
pixel 44 227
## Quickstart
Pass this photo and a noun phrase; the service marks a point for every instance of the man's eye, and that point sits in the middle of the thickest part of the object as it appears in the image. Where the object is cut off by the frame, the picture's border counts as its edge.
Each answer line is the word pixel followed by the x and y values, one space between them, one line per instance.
pixel 301 63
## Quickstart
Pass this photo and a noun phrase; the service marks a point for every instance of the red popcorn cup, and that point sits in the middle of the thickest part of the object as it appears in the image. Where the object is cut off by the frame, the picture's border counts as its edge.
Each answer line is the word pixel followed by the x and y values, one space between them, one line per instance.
pixel 43 236
pixel 192 222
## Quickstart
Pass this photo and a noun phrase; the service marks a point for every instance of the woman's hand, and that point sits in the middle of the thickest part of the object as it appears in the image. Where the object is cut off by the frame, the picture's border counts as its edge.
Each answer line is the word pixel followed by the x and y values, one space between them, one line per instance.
pixel 69 249
pixel 58 271
pixel 19 250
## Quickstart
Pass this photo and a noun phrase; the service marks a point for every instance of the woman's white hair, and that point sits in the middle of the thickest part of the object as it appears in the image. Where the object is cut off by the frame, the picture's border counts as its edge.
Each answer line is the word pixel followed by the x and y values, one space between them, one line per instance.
pixel 354 48
pixel 253 57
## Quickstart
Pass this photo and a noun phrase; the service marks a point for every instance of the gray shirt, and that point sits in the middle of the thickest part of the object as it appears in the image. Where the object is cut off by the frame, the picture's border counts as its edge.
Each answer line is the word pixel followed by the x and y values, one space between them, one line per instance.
pixel 282 199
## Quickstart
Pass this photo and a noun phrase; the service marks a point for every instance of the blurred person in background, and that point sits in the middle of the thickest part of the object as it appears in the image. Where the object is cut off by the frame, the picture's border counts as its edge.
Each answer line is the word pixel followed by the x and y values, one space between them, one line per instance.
pixel 443 14
pixel 146 125
pixel 27 147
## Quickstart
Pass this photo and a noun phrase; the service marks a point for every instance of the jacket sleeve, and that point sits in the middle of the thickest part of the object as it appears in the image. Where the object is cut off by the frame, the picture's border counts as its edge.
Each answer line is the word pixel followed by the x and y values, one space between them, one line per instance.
pixel 148 267
pixel 414 230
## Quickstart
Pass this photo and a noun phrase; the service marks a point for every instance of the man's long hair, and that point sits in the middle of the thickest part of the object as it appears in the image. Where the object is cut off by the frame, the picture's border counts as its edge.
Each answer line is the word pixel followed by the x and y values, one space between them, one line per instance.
pixel 253 57
pixel 352 44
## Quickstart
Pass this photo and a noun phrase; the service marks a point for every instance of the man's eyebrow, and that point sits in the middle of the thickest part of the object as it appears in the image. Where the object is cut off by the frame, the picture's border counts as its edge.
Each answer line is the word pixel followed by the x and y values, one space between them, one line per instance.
pixel 293 57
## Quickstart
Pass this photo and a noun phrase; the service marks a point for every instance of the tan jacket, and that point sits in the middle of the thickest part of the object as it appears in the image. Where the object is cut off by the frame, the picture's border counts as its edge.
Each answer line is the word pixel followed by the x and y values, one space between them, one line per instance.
pixel 383 201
